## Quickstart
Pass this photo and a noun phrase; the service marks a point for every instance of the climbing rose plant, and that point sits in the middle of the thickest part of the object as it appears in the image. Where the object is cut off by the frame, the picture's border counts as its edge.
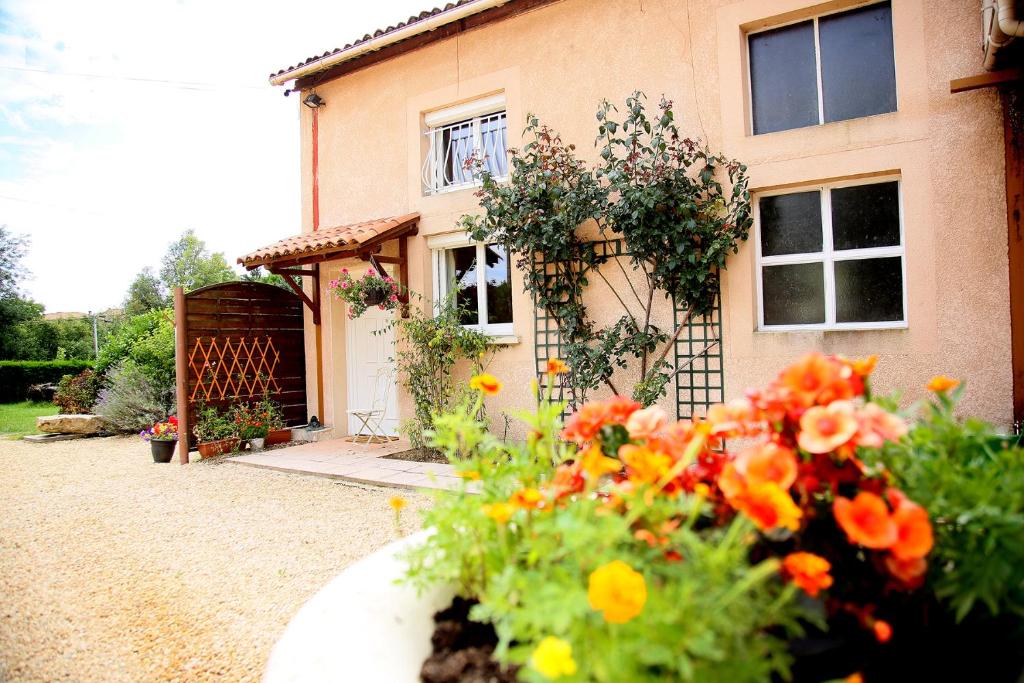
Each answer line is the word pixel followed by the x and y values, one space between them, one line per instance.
pixel 625 546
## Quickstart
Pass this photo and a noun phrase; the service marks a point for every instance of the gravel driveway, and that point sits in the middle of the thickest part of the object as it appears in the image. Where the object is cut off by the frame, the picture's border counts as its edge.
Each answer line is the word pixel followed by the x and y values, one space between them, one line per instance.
pixel 113 568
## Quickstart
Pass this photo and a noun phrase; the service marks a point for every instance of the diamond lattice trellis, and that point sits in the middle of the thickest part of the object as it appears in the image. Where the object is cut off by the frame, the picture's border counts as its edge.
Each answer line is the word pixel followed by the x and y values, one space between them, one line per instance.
pixel 228 368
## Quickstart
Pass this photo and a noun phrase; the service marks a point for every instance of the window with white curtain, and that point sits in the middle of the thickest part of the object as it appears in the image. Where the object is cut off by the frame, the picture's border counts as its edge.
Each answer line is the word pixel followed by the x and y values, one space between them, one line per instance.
pixel 456 134
pixel 479 276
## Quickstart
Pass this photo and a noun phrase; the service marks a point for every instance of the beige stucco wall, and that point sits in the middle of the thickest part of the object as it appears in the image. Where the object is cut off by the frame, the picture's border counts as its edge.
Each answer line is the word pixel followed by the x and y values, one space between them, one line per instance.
pixel 559 61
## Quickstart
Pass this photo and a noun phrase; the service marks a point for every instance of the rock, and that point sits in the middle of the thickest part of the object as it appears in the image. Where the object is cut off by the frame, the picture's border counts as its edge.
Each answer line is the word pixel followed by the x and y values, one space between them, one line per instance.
pixel 70 424
pixel 42 392
pixel 46 438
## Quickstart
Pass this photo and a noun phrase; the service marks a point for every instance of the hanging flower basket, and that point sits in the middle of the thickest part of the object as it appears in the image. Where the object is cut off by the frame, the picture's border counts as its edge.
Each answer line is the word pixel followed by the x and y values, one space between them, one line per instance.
pixel 372 289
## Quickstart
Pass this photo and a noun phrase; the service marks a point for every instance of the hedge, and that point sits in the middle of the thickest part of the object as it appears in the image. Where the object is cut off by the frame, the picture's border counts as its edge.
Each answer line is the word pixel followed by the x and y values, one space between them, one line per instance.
pixel 16 376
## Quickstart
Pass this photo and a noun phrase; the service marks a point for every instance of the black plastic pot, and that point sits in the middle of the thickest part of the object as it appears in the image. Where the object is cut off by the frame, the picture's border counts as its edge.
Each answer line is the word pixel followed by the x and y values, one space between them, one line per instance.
pixel 163 450
pixel 374 297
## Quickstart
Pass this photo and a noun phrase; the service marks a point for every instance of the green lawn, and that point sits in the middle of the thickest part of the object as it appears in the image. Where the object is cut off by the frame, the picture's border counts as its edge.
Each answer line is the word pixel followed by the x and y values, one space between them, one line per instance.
pixel 19 419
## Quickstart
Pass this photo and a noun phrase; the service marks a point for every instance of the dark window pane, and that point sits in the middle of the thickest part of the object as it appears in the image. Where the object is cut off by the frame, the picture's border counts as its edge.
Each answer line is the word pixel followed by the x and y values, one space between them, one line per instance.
pixel 858 72
pixel 499 285
pixel 866 216
pixel 790 223
pixel 462 275
pixel 783 78
pixel 869 290
pixel 793 294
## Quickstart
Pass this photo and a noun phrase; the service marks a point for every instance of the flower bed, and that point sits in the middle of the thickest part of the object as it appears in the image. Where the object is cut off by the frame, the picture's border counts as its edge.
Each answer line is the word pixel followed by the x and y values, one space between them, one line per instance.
pixel 787 534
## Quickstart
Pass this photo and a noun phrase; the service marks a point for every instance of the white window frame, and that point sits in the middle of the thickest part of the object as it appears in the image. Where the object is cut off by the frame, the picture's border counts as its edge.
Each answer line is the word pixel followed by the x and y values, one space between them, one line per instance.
pixel 828 257
pixel 440 246
pixel 817 67
pixel 475 112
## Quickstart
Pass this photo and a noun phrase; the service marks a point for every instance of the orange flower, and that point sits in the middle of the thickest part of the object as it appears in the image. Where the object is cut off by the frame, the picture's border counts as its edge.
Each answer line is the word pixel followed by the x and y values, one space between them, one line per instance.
pixel 866 520
pixel 528 499
pixel 808 377
pixel 882 630
pixel 808 571
pixel 941 383
pixel 644 466
pixel 914 531
pixel 864 366
pixel 596 464
pixel 568 479
pixel 735 418
pixel 909 572
pixel 731 482
pixel 585 423
pixel 769 507
pixel 618 591
pixel 854 678
pixel 469 475
pixel 499 512
pixel 646 422
pixel 397 503
pixel 768 462
pixel 557 367
pixel 485 383
pixel 825 428
pixel 876 426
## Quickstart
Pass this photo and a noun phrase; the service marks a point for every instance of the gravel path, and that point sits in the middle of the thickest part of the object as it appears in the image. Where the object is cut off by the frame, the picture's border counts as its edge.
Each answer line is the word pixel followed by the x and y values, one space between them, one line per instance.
pixel 115 569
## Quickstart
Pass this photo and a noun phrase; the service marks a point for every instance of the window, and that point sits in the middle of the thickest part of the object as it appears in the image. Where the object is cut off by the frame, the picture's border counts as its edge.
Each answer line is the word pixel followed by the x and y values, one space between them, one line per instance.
pixel 831 257
pixel 482 276
pixel 455 134
pixel 831 68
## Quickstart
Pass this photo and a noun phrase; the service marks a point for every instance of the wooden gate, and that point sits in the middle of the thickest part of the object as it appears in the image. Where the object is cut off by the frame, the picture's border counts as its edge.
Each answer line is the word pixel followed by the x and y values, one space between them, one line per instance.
pixel 236 342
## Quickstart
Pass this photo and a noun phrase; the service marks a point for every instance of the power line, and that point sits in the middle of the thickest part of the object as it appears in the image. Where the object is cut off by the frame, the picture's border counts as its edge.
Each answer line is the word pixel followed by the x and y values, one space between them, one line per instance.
pixel 182 85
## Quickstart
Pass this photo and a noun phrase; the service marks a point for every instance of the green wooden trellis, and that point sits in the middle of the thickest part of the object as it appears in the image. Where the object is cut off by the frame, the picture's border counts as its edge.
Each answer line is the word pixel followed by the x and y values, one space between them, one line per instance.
pixel 698 385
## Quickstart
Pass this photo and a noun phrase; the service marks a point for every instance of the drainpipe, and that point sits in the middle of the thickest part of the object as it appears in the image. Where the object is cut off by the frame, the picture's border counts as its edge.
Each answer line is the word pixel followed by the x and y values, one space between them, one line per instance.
pixel 1000 26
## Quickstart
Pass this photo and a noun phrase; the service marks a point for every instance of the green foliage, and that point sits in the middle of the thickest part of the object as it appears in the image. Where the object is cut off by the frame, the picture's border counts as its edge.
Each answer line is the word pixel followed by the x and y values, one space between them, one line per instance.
pixel 267 278
pixel 16 376
pixel 680 210
pixel 19 419
pixel 251 421
pixel 148 341
pixel 130 401
pixel 144 294
pixel 12 250
pixel 428 349
pixel 190 265
pixel 714 616
pixel 971 480
pixel 14 311
pixel 213 425
pixel 77 394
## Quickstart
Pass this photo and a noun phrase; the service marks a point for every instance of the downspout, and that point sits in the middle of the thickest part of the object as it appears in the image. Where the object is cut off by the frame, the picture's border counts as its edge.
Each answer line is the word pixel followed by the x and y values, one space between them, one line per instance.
pixel 1000 26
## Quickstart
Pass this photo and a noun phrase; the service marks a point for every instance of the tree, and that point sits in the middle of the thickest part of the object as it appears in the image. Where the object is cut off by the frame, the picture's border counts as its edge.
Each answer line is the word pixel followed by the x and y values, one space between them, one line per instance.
pixel 189 264
pixel 14 313
pixel 267 278
pixel 144 294
pixel 12 250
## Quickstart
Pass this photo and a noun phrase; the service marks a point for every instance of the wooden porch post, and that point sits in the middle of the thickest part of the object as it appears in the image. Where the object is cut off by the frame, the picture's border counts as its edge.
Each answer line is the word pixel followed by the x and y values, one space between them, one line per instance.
pixel 319 344
pixel 1012 99
pixel 181 371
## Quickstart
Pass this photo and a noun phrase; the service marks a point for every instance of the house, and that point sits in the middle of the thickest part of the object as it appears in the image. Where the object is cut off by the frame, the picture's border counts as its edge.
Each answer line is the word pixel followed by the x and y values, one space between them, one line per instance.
pixel 879 196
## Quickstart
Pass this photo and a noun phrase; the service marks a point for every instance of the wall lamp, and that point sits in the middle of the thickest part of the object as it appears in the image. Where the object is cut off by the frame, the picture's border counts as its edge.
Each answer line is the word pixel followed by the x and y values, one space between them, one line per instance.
pixel 313 101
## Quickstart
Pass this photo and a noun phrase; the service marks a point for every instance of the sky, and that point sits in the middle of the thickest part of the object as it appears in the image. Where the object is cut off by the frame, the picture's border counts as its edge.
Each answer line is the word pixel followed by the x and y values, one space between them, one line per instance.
pixel 124 123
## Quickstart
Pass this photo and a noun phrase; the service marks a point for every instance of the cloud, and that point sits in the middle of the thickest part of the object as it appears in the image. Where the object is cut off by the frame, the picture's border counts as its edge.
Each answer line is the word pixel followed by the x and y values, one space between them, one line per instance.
pixel 153 117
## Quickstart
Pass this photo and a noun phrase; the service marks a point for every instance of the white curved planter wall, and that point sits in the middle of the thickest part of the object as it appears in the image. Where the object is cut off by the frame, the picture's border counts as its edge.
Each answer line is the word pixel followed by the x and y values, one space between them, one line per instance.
pixel 361 627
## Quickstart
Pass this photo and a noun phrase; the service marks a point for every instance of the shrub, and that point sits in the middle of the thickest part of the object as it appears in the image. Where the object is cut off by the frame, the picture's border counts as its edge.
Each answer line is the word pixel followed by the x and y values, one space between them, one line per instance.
pixel 76 394
pixel 130 401
pixel 212 425
pixel 16 376
pixel 148 341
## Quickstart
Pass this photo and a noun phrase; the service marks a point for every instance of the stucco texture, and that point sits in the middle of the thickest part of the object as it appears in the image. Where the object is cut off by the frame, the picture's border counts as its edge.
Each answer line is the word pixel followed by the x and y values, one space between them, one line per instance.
pixel 561 60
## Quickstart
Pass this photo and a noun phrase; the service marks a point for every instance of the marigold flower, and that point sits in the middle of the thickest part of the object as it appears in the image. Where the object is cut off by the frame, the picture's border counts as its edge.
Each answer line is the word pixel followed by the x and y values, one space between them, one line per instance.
pixel 876 426
pixel 596 464
pixel 769 507
pixel 866 520
pixel 583 425
pixel 768 462
pixel 618 591
pixel 553 658
pixel 882 630
pixel 864 366
pixel 397 503
pixel 644 466
pixel 499 512
pixel 914 532
pixel 528 499
pixel 469 475
pixel 486 383
pixel 568 479
pixel 808 571
pixel 826 428
pixel 941 383
pixel 646 422
pixel 557 367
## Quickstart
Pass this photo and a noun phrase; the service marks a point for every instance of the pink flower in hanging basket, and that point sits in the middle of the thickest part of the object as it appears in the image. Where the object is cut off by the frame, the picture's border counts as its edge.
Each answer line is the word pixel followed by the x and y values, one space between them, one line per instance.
pixel 394 297
pixel 371 271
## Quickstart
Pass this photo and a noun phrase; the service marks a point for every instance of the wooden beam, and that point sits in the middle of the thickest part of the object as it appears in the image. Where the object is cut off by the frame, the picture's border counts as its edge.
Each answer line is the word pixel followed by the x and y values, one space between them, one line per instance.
pixel 989 79
pixel 1014 161
pixel 319 349
pixel 310 304
pixel 309 272
pixel 397 260
pixel 181 371
pixel 403 274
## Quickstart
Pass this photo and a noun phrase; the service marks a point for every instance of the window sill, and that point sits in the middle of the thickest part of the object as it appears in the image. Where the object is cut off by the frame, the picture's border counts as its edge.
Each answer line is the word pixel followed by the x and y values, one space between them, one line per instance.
pixel 866 327
pixel 503 340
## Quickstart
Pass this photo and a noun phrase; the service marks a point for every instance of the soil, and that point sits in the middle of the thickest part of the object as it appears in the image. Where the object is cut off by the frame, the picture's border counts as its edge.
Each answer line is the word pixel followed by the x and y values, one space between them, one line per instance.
pixel 463 649
pixel 419 455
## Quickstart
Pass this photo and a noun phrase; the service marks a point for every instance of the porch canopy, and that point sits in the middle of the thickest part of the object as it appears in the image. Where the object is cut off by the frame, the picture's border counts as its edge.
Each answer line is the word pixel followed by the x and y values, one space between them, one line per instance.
pixel 363 240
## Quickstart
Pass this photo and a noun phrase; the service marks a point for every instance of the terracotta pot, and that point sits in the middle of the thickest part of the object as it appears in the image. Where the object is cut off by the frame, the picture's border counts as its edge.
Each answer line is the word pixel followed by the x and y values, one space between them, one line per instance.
pixel 162 449
pixel 212 448
pixel 277 436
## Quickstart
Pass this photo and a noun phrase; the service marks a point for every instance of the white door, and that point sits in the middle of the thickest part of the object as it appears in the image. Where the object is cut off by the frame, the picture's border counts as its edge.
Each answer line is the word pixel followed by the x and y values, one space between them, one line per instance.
pixel 371 368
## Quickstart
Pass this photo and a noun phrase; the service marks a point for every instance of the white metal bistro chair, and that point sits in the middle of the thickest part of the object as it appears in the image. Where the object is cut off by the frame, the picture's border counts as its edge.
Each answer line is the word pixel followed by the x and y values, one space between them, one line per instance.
pixel 373 416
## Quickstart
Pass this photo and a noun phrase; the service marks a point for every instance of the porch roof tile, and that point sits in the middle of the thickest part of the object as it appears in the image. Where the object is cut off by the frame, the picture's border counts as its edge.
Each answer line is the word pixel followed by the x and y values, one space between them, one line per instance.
pixel 328 240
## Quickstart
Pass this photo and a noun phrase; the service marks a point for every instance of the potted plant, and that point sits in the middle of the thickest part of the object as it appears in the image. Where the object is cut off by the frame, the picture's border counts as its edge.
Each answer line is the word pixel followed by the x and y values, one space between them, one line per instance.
pixel 372 289
pixel 215 432
pixel 162 438
pixel 278 432
pixel 252 427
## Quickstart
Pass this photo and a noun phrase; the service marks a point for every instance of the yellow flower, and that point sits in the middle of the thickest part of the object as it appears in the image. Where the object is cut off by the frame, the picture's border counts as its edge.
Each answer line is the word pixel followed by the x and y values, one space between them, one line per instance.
pixel 595 463
pixel 557 367
pixel 553 658
pixel 471 475
pixel 701 489
pixel 941 383
pixel 499 512
pixel 397 503
pixel 528 499
pixel 617 590
pixel 486 383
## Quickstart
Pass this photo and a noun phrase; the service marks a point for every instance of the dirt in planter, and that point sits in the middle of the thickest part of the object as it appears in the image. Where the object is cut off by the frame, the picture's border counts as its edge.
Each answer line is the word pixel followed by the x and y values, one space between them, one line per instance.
pixel 419 455
pixel 463 649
